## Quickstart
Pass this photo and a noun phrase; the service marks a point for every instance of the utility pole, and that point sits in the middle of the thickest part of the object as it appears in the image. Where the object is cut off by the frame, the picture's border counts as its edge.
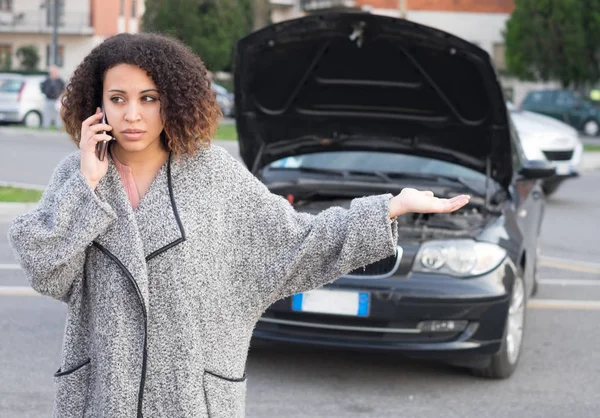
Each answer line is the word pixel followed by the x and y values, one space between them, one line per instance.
pixel 261 13
pixel 402 8
pixel 54 45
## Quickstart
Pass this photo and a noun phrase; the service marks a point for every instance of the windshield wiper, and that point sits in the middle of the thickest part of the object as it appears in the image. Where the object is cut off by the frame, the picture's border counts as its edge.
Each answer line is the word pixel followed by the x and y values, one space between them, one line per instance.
pixel 342 173
pixel 437 177
pixel 387 177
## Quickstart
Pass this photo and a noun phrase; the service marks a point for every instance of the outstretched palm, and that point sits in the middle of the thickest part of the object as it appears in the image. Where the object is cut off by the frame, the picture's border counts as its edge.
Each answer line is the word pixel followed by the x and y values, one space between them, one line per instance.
pixel 412 200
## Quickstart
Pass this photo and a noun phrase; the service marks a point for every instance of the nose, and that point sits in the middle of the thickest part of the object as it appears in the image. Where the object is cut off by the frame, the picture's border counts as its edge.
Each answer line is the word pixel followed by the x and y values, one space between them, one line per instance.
pixel 133 112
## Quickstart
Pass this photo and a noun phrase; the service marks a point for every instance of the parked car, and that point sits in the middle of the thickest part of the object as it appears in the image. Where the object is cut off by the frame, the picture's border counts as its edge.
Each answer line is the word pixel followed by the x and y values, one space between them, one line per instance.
pixel 21 99
pixel 565 106
pixel 543 137
pixel 337 106
pixel 224 99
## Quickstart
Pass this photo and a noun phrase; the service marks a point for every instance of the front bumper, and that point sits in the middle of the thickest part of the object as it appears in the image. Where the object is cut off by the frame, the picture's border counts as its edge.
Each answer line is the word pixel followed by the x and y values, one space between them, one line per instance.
pixel 9 116
pixel 398 309
pixel 567 162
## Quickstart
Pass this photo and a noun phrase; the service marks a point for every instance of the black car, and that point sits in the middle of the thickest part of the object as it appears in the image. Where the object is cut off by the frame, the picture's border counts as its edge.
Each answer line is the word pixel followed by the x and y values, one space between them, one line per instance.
pixel 337 106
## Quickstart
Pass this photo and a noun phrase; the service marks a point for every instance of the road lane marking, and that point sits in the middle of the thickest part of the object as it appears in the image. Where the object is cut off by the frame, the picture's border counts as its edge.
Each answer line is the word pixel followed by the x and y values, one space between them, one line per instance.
pixel 593 305
pixel 568 260
pixel 572 265
pixel 569 282
pixel 17 291
pixel 10 267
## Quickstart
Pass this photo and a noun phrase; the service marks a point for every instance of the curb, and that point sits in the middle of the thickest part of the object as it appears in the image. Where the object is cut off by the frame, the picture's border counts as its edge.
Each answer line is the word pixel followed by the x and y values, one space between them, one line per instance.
pixel 20 130
pixel 18 185
pixel 8 211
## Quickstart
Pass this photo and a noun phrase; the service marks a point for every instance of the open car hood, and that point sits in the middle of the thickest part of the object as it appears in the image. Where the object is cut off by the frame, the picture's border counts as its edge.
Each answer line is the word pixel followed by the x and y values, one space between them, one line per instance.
pixel 356 81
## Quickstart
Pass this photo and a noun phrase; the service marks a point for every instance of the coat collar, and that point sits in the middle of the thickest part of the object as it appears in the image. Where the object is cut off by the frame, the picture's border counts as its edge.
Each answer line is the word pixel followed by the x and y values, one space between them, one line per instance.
pixel 136 237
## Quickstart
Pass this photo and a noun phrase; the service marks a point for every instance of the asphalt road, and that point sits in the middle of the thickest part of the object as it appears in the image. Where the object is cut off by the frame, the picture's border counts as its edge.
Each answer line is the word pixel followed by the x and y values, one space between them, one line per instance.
pixel 559 373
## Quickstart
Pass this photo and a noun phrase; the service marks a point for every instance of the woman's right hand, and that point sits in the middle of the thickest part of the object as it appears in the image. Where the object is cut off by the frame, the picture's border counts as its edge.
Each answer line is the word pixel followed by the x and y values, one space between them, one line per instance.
pixel 91 167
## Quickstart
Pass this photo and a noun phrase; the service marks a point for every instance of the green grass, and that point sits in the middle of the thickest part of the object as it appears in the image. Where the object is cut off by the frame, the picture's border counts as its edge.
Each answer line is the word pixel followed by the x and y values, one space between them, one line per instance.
pixel 226 132
pixel 12 194
pixel 591 147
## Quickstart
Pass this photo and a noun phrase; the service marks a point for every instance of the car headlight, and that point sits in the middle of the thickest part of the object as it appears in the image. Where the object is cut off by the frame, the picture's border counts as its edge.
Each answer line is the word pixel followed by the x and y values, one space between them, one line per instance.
pixel 458 257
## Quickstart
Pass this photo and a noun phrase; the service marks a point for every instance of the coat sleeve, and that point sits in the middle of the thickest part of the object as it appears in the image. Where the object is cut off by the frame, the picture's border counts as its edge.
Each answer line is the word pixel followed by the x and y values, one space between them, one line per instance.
pixel 50 242
pixel 287 252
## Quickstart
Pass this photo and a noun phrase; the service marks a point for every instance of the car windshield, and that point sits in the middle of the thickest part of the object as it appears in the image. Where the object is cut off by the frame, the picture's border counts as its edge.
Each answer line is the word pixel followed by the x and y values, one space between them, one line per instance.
pixel 10 86
pixel 376 162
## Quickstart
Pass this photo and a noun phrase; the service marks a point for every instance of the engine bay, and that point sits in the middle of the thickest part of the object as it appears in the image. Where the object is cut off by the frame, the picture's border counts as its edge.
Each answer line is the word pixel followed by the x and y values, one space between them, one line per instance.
pixel 466 222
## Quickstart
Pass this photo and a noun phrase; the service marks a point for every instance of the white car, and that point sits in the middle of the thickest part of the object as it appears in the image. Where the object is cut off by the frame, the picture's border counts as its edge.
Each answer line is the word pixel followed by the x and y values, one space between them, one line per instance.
pixel 21 99
pixel 543 137
pixel 224 99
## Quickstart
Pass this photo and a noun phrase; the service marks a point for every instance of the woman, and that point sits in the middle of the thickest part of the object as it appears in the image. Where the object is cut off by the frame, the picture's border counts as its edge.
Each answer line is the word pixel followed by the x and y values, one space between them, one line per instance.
pixel 168 250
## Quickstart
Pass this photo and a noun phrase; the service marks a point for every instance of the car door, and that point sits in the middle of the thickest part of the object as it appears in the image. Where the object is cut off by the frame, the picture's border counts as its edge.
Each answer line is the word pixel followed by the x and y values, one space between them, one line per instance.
pixel 579 111
pixel 529 206
pixel 569 108
pixel 33 99
pixel 9 95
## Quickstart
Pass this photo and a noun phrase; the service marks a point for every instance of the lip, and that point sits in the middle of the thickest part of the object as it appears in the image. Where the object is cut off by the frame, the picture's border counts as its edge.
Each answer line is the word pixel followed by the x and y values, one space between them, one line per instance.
pixel 132 134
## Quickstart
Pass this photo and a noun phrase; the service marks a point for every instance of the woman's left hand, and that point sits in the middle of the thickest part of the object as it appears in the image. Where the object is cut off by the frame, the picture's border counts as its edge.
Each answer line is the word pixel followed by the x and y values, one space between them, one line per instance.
pixel 412 200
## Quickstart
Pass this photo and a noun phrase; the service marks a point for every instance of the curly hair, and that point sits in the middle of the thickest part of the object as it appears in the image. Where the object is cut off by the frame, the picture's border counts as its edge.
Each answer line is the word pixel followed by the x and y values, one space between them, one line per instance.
pixel 189 107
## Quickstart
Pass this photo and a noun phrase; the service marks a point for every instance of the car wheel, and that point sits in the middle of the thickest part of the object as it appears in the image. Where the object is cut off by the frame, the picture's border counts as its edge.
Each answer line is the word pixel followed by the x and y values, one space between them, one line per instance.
pixel 550 186
pixel 32 119
pixel 591 128
pixel 504 363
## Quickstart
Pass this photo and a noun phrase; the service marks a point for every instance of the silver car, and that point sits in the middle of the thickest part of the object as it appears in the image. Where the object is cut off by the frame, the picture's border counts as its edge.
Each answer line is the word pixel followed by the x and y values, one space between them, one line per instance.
pixel 545 138
pixel 21 99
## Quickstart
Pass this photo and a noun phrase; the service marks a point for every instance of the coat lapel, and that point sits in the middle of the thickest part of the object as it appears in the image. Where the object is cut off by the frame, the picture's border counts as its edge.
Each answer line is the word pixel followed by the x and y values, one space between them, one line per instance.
pixel 122 240
pixel 157 215
pixel 141 235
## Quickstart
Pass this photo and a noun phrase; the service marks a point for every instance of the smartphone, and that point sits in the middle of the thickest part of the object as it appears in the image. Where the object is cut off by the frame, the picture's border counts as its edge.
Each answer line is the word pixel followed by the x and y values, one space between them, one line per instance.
pixel 102 146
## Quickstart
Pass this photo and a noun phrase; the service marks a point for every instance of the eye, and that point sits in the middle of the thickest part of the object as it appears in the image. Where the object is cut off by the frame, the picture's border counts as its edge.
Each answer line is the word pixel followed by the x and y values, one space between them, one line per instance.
pixel 149 99
pixel 116 99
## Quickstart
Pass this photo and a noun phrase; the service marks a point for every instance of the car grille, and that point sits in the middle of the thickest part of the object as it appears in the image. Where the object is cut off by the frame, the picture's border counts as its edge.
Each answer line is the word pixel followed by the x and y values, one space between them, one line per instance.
pixel 558 155
pixel 384 267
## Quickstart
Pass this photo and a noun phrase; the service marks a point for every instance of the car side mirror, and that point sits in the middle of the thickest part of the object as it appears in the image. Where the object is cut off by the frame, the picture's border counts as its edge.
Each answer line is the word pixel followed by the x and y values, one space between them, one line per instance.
pixel 537 169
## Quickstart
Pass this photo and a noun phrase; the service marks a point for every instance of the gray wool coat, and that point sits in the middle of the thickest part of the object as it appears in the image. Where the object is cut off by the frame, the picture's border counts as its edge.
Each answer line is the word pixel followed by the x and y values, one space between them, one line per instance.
pixel 162 300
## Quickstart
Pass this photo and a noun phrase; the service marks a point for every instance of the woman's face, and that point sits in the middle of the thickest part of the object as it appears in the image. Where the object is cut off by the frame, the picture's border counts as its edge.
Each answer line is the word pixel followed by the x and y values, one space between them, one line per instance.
pixel 132 107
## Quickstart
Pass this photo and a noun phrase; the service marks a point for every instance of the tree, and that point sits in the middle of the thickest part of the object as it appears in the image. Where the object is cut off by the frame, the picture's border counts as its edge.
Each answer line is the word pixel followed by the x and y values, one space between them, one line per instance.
pixel 554 40
pixel 29 57
pixel 6 61
pixel 210 27
pixel 591 28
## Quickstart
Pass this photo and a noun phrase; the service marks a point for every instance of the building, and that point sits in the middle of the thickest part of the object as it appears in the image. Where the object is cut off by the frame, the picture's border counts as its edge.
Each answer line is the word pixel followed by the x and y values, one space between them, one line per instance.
pixel 478 21
pixel 82 25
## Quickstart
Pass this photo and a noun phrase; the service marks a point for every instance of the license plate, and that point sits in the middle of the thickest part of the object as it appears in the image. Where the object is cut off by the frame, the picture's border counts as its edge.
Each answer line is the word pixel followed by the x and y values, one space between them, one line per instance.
pixel 334 302
pixel 563 169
